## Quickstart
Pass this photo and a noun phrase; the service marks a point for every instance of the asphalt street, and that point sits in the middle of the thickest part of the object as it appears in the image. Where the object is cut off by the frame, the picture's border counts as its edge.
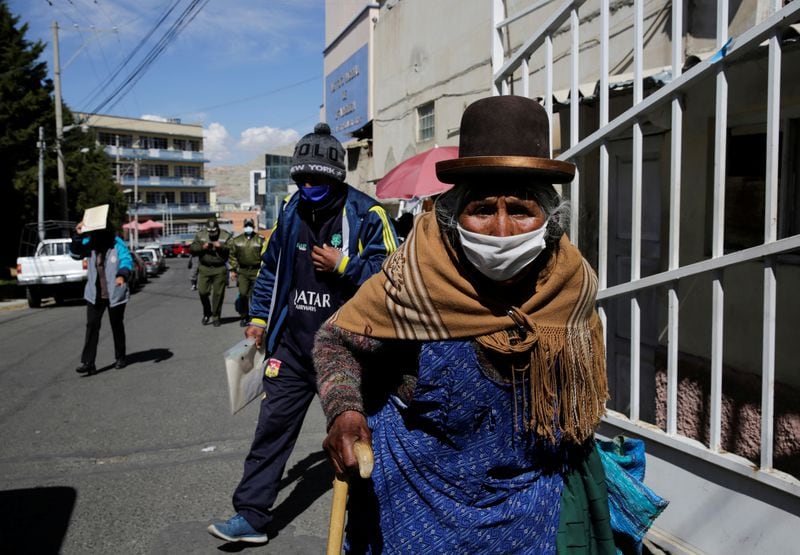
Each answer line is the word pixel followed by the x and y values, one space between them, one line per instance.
pixel 138 460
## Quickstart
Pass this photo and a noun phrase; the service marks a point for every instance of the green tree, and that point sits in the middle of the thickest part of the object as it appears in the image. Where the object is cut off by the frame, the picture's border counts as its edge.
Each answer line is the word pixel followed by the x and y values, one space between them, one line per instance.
pixel 26 103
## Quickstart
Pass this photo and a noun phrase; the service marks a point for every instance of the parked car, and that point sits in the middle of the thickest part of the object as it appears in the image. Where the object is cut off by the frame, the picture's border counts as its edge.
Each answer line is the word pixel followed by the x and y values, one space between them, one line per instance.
pixel 160 259
pixel 139 274
pixel 168 251
pixel 51 272
pixel 150 260
pixel 181 249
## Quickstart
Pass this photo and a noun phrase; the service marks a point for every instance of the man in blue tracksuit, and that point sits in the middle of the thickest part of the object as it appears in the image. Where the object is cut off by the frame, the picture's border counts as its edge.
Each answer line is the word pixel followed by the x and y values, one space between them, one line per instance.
pixel 328 240
pixel 109 268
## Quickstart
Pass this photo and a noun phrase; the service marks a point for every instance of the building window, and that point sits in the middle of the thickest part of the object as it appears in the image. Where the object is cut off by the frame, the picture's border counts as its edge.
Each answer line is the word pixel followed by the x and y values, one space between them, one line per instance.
pixel 163 197
pixel 425 122
pixel 110 139
pixel 180 229
pixel 152 142
pixel 186 144
pixel 153 170
pixel 187 171
pixel 194 197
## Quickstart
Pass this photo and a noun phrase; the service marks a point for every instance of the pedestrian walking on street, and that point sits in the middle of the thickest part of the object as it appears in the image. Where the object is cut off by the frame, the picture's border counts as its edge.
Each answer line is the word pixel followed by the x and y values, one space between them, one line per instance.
pixel 474 363
pixel 193 266
pixel 244 261
pixel 109 269
pixel 329 239
pixel 210 246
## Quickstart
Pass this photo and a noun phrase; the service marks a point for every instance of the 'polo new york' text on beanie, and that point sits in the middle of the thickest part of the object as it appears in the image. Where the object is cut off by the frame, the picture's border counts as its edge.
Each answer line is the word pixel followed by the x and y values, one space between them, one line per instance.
pixel 319 153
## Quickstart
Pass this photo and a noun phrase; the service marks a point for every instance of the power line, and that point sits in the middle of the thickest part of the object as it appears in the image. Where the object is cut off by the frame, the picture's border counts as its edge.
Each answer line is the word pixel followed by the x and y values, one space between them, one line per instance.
pixel 248 98
pixel 101 86
pixel 184 19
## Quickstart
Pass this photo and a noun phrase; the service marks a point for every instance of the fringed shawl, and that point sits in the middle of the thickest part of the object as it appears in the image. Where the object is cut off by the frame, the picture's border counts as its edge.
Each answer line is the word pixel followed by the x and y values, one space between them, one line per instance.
pixel 423 294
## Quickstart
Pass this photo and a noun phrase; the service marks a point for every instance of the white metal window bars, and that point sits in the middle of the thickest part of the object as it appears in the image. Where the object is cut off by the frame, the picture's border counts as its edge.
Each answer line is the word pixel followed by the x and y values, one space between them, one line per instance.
pixel 769 29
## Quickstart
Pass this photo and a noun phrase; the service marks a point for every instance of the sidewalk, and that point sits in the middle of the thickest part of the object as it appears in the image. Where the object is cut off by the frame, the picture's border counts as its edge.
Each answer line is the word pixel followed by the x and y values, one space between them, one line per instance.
pixel 13 304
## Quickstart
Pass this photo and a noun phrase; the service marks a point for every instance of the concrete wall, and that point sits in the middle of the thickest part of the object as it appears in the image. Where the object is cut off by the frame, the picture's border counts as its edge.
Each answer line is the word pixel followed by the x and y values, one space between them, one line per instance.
pixel 427 52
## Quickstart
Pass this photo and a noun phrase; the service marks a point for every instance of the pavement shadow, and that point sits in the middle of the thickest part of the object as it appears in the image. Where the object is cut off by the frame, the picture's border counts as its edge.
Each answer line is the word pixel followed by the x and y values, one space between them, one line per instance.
pixel 156 355
pixel 229 319
pixel 314 476
pixel 35 520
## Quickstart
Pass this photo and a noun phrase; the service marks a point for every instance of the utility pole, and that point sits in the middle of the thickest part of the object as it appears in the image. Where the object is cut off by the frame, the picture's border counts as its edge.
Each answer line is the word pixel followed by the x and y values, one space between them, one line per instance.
pixel 136 199
pixel 62 183
pixel 40 219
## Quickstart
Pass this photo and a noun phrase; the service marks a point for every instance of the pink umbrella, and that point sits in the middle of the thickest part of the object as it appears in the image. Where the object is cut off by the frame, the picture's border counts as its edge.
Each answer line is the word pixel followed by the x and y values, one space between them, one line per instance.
pixel 416 177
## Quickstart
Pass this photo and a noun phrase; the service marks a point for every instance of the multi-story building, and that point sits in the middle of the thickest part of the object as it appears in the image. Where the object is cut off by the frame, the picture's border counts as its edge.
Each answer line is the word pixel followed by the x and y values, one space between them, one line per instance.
pixel 160 167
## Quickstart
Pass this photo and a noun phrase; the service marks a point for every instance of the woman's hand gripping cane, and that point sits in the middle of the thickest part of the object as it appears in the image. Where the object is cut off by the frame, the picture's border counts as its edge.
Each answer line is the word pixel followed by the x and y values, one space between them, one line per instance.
pixel 348 445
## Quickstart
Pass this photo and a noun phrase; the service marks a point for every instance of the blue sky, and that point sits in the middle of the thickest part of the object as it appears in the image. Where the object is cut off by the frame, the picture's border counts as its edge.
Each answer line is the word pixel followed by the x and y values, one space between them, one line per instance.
pixel 249 71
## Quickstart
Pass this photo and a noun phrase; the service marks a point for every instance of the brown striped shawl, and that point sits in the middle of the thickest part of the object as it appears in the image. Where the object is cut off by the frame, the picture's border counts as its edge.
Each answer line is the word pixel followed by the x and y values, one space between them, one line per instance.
pixel 422 294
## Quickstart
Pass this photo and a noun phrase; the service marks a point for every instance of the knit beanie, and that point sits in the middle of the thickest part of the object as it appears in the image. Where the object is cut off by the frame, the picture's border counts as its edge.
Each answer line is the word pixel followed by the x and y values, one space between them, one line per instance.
pixel 319 153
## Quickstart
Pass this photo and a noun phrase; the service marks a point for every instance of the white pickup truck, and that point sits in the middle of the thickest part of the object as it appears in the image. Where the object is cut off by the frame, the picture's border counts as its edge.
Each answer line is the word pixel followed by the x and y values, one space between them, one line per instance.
pixel 51 272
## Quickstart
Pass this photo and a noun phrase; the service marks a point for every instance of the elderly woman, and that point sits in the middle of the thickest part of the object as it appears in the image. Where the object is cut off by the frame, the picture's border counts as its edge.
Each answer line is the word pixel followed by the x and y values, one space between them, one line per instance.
pixel 474 363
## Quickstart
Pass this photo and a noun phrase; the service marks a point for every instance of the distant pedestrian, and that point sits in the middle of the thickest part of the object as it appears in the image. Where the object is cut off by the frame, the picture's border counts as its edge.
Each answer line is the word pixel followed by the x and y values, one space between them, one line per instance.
pixel 109 269
pixel 244 261
pixel 329 238
pixel 210 246
pixel 193 266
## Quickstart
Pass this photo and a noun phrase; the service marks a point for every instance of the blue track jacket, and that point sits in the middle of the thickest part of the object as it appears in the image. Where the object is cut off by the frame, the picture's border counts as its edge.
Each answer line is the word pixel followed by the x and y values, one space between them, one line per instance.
pixel 369 238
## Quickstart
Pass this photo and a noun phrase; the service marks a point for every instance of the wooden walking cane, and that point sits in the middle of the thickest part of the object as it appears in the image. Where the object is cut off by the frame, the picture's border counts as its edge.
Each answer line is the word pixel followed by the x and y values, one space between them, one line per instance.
pixel 336 528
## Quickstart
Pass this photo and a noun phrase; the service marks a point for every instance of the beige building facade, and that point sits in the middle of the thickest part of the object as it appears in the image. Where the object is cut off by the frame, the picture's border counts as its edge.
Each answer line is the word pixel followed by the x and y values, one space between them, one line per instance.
pixel 160 167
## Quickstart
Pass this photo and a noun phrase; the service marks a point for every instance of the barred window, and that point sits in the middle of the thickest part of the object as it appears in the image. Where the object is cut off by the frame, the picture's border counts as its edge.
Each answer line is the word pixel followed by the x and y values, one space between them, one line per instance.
pixel 153 170
pixel 160 197
pixel 425 122
pixel 152 142
pixel 193 197
pixel 187 171
pixel 186 144
pixel 110 139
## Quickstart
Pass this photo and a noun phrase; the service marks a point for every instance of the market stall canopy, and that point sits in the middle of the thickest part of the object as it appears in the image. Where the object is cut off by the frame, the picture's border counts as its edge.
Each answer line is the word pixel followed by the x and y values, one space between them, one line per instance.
pixel 144 226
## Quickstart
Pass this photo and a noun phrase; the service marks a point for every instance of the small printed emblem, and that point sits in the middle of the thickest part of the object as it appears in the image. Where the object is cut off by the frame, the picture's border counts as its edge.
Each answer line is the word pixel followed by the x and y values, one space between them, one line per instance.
pixel 273 367
pixel 302 246
pixel 336 240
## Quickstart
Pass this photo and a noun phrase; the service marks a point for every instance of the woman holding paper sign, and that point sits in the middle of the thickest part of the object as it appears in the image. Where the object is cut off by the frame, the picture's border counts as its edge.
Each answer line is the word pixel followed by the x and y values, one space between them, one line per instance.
pixel 110 266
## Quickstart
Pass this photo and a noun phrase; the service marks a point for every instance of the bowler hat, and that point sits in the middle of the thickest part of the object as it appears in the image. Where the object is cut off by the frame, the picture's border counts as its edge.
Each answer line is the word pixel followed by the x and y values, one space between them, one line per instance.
pixel 505 136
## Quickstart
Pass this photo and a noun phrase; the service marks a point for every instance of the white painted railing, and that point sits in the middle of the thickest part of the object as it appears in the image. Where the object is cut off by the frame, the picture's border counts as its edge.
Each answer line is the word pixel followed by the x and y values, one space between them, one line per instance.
pixel 512 73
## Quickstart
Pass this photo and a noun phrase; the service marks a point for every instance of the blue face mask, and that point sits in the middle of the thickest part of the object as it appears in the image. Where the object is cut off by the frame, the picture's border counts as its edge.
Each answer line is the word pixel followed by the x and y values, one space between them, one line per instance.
pixel 315 193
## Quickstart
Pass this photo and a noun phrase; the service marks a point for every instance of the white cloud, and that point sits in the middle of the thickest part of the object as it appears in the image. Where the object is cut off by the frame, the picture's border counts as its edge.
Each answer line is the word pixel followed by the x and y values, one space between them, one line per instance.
pixel 261 139
pixel 151 117
pixel 217 144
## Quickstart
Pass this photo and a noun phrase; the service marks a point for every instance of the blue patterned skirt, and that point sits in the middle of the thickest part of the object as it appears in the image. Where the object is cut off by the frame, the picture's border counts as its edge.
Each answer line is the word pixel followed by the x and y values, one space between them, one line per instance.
pixel 455 470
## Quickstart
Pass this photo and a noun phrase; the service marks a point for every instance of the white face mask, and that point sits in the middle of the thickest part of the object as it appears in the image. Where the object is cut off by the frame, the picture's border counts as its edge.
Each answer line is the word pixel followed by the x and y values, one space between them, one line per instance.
pixel 248 230
pixel 502 258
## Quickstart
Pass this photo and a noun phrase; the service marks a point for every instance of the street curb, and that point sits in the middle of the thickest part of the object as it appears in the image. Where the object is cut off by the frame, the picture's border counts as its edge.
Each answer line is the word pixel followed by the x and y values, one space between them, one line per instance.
pixel 13 305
